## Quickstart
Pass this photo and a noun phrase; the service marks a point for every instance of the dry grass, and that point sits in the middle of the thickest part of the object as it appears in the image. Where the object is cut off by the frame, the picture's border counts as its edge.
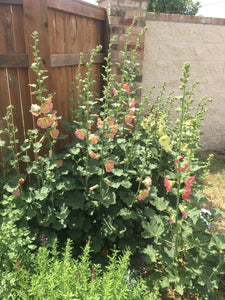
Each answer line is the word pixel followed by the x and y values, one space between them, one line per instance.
pixel 215 189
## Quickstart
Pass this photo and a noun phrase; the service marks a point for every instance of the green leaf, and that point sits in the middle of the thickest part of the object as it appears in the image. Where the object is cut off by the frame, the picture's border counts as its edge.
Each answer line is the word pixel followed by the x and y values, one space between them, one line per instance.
pixel 109 199
pixel 42 193
pixel 25 158
pixel 149 212
pixel 37 147
pixel 25 146
pixel 74 150
pixel 117 172
pixel 154 228
pixel 160 203
pixel 2 143
pixel 74 199
pixel 179 288
pixel 150 254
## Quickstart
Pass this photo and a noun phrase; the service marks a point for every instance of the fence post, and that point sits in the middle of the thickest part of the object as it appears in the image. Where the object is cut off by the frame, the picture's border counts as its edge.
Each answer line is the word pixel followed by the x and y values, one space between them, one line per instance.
pixel 120 16
pixel 36 19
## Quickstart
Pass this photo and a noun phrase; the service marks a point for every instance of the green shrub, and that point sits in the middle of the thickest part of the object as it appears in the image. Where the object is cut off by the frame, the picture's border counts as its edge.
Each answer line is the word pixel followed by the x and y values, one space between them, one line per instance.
pixel 50 275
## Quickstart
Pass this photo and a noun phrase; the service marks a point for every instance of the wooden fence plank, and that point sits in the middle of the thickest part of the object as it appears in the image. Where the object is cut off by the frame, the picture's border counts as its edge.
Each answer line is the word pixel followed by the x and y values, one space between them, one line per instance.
pixel 13 60
pixel 60 60
pixel 79 8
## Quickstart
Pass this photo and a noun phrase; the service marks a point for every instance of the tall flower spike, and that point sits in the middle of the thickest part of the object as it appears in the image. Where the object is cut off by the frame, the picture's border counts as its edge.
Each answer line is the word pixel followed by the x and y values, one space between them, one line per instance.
pixel 167 184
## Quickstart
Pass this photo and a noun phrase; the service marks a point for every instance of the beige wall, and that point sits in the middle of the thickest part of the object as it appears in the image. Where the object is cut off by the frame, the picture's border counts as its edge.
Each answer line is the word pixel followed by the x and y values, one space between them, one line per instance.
pixel 168 45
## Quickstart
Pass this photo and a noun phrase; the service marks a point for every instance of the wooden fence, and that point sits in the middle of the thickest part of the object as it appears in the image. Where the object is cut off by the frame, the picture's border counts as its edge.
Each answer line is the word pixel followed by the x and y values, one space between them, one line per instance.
pixel 65 28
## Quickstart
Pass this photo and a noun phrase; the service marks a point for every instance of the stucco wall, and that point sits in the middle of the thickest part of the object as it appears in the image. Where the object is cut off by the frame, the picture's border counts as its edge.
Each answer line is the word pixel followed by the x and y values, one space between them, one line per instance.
pixel 171 43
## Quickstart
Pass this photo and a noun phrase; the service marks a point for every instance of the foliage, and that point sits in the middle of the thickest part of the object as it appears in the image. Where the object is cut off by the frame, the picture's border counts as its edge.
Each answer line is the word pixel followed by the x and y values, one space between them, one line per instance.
pixel 184 7
pixel 129 176
pixel 49 275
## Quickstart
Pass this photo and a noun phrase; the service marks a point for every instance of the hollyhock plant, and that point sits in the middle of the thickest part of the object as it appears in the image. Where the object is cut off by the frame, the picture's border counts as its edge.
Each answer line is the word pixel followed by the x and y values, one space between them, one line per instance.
pixel 47 107
pixel 109 165
pixel 35 110
pixel 80 134
pixel 143 195
pixel 126 87
pixel 44 122
pixel 170 222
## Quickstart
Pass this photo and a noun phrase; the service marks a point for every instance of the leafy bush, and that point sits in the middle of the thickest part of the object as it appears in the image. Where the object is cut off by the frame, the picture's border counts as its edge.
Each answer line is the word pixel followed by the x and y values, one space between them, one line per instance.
pixel 50 275
pixel 129 177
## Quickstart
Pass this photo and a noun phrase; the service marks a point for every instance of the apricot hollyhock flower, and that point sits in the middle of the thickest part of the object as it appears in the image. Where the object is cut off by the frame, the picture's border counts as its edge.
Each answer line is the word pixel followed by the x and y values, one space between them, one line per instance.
pixel 109 165
pixel 128 119
pixel 148 181
pixel 54 133
pixel 93 139
pixel 16 192
pixel 44 122
pixel 114 131
pixel 143 195
pixel 126 87
pixel 99 123
pixel 93 187
pixel 35 110
pixel 47 107
pixel 94 155
pixel 80 134
pixel 110 121
pixel 59 163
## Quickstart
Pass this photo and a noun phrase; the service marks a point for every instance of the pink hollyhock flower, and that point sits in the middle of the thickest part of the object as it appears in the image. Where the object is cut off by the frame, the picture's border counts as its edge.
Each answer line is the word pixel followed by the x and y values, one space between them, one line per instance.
pixel 185 168
pixel 35 110
pixel 80 134
pixel 190 181
pixel 110 121
pixel 148 181
pixel 109 165
pixel 17 263
pixel 93 139
pixel 126 87
pixel 54 133
pixel 47 107
pixel 128 119
pixel 94 155
pixel 170 221
pixel 59 163
pixel 184 214
pixel 143 195
pixel 16 192
pixel 187 193
pixel 132 104
pixel 167 184
pixel 21 181
pixel 99 123
pixel 44 122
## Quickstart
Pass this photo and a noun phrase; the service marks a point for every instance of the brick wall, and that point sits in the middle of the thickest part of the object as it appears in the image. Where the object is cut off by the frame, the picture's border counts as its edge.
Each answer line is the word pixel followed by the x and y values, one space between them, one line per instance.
pixel 170 41
pixel 120 17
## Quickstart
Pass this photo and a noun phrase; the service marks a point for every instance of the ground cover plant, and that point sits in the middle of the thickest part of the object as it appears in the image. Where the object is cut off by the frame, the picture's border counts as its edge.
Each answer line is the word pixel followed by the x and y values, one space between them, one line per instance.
pixel 128 178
